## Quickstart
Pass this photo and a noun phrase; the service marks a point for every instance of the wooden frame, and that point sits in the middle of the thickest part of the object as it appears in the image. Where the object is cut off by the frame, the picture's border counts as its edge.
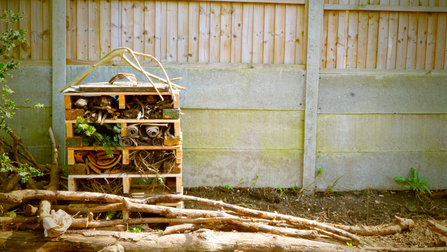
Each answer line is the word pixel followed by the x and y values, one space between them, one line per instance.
pixel 345 7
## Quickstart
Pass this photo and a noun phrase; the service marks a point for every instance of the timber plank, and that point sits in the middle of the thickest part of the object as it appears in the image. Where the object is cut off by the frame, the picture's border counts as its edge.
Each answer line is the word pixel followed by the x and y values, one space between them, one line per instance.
pixel 172 31
pixel 421 44
pixel 215 20
pixel 371 50
pixel 290 34
pixel 353 20
pixel 183 29
pixel 323 54
pixel 383 37
pixel 122 87
pixel 193 32
pixel 258 33
pixel 441 53
pixel 269 33
pixel 342 37
pixel 93 30
pixel 225 33
pixel 138 26
pixel 279 36
pixel 247 32
pixel 402 38
pixel 25 23
pixel 204 32
pixel 105 28
pixel 431 38
pixel 331 58
pixel 236 31
pixel 149 28
pixel 392 38
pixel 412 38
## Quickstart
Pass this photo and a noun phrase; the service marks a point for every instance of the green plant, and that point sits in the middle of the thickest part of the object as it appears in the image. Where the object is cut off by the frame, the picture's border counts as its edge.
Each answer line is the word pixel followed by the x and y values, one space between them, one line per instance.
pixel 136 229
pixel 24 170
pixel 228 187
pixel 350 245
pixel 106 136
pixel 281 190
pixel 253 184
pixel 295 187
pixel 11 213
pixel 419 185
pixel 8 41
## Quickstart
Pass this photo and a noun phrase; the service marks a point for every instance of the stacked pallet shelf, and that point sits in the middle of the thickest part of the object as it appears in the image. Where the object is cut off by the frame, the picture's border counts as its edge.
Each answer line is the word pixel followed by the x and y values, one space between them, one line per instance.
pixel 122 92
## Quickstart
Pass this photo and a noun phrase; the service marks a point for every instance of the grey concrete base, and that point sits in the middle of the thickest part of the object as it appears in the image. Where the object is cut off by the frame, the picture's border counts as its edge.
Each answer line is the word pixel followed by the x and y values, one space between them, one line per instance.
pixel 377 170
pixel 219 167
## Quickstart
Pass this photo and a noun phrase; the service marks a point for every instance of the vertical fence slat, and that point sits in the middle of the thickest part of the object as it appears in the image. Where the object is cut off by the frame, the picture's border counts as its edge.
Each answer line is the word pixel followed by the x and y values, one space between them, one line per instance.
pixel 431 38
pixel 138 26
pixel 362 39
pixel 280 14
pixel 182 43
pixel 3 6
pixel 383 37
pixel 392 38
pixel 290 34
pixel 193 31
pixel 353 20
pixel 46 29
pixel 115 22
pixel 160 30
pixel 104 32
pixel 71 30
pixel 371 50
pixel 149 27
pixel 82 30
pixel 93 30
pixel 332 37
pixel 215 32
pixel 342 37
pixel 127 24
pixel 269 33
pixel 412 37
pixel 300 45
pixel 323 55
pixel 258 32
pixel 25 23
pixel 402 38
pixel 225 34
pixel 236 31
pixel 204 32
pixel 247 32
pixel 36 30
pixel 441 51
pixel 421 37
pixel 172 31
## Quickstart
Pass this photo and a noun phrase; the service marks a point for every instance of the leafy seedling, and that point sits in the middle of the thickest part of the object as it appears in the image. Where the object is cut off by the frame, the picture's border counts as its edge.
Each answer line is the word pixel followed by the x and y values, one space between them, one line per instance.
pixel 419 185
pixel 228 187
pixel 136 229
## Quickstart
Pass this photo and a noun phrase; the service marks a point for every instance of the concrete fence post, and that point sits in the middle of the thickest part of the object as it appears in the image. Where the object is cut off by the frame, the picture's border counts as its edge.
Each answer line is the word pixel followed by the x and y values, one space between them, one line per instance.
pixel 314 26
pixel 58 39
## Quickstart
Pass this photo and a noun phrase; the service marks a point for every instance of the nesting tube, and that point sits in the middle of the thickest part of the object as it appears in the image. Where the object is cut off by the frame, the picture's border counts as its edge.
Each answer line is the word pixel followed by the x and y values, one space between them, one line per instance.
pixel 127 142
pixel 133 131
pixel 152 131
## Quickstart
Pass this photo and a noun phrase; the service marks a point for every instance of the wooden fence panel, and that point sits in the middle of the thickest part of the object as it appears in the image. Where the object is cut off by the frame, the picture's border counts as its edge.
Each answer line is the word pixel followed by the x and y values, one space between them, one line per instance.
pixel 188 31
pixel 384 38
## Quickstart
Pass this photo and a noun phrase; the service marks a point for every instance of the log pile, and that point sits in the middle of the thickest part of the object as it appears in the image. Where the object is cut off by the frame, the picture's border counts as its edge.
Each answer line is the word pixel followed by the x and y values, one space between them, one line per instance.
pixel 226 217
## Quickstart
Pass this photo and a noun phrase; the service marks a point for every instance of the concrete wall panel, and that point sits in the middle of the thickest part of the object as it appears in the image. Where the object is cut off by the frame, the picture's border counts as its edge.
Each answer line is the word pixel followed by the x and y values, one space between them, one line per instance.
pixel 214 167
pixel 221 88
pixel 242 129
pixel 381 132
pixel 377 170
pixel 31 82
pixel 382 93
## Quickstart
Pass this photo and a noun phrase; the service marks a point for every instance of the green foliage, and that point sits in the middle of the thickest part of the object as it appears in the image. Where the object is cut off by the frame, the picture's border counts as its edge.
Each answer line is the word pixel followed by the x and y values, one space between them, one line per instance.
pixel 106 136
pixel 11 213
pixel 350 245
pixel 320 171
pixel 295 187
pixel 136 229
pixel 8 41
pixel 255 180
pixel 24 170
pixel 419 185
pixel 228 187
pixel 282 191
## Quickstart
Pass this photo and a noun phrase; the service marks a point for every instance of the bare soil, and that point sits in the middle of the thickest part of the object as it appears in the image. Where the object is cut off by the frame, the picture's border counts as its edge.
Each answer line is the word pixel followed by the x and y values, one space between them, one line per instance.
pixel 348 208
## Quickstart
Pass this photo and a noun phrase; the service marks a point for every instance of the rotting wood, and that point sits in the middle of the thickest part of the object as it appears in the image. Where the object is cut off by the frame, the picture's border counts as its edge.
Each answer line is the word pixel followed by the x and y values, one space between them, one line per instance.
pixel 256 213
pixel 397 226
pixel 435 227
pixel 201 240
